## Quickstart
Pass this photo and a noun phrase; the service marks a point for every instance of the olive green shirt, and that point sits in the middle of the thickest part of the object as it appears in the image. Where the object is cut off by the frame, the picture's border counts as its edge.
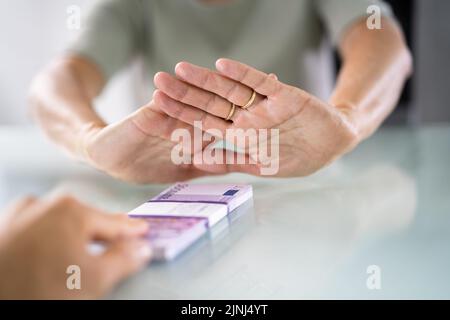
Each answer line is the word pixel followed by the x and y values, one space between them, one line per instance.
pixel 286 37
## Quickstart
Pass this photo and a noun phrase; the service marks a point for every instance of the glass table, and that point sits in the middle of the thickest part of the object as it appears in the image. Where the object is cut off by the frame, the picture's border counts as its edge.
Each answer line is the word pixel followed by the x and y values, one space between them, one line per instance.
pixel 375 224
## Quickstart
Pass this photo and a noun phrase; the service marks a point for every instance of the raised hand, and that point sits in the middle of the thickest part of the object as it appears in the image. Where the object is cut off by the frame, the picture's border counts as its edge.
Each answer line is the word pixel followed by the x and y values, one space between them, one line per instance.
pixel 312 133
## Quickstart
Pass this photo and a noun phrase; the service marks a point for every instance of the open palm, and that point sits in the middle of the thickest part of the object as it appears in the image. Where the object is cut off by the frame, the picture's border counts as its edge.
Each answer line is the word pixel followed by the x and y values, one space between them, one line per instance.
pixel 312 133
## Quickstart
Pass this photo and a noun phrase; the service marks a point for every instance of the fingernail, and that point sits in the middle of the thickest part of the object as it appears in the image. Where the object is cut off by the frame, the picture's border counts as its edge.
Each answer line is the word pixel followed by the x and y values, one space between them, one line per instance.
pixel 156 76
pixel 180 69
pixel 220 64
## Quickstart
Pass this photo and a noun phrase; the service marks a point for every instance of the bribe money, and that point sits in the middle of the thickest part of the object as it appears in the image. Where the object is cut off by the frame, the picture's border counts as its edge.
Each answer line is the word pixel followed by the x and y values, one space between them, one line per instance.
pixel 181 214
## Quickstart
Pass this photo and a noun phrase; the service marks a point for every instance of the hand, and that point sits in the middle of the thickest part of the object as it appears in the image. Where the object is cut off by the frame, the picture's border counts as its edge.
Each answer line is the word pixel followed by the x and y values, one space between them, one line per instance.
pixel 44 238
pixel 312 133
pixel 138 148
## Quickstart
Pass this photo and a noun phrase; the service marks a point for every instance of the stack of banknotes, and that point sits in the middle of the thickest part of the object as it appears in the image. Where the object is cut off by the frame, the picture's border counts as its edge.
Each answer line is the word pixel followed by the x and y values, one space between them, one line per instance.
pixel 183 213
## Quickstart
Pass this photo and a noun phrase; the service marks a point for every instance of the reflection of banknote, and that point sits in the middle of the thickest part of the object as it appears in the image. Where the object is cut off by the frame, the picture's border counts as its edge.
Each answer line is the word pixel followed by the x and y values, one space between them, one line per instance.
pixel 181 214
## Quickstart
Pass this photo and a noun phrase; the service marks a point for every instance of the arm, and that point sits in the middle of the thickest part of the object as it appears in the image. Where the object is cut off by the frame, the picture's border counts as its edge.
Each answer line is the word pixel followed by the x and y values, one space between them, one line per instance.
pixel 61 101
pixel 376 64
pixel 62 95
pixel 135 149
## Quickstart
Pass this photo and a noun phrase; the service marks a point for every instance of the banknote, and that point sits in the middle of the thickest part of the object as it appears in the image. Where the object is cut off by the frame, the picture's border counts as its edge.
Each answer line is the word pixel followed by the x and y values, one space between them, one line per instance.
pixel 181 214
pixel 210 201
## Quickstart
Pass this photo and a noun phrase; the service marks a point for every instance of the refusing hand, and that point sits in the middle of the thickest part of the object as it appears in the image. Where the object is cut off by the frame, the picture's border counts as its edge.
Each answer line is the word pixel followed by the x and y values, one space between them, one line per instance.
pixel 138 148
pixel 312 133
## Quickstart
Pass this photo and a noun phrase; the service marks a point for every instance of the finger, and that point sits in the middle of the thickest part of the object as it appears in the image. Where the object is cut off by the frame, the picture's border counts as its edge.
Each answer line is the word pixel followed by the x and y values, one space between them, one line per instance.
pixel 211 81
pixel 17 211
pixel 110 227
pixel 120 260
pixel 189 114
pixel 191 95
pixel 259 81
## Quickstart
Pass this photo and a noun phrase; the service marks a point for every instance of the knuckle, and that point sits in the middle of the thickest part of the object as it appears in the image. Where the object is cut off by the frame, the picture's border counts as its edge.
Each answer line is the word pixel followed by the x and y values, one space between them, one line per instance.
pixel 261 82
pixel 232 91
pixel 66 199
pixel 205 80
pixel 182 93
pixel 70 206
pixel 28 199
pixel 215 83
pixel 210 102
pixel 276 87
pixel 177 112
pixel 202 117
pixel 244 75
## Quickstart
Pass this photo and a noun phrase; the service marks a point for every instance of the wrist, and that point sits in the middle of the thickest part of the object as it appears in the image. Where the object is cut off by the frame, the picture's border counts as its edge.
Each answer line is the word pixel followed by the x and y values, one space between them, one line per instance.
pixel 85 136
pixel 351 115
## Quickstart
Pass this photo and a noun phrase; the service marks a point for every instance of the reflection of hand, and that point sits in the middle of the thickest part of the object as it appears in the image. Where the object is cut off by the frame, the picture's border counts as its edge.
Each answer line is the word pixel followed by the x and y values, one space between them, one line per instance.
pixel 138 148
pixel 311 132
pixel 44 238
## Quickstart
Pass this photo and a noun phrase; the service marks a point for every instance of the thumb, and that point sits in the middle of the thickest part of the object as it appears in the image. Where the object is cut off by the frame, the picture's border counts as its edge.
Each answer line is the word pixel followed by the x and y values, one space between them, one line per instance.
pixel 121 259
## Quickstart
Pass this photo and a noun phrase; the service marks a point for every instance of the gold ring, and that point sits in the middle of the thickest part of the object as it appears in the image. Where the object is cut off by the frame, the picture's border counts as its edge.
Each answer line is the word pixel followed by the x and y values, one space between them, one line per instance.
pixel 250 102
pixel 232 110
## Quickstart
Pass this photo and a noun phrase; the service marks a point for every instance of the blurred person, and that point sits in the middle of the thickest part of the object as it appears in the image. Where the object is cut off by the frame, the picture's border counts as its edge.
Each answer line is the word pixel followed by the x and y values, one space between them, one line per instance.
pixel 279 91
pixel 40 239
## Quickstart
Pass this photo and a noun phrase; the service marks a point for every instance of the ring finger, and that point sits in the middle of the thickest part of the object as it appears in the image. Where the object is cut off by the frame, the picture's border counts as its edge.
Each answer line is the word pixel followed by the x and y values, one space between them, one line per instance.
pixel 194 96
pixel 211 81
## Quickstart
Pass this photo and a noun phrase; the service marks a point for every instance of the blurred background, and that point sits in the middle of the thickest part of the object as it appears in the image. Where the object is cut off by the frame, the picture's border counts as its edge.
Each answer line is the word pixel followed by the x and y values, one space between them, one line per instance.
pixel 33 32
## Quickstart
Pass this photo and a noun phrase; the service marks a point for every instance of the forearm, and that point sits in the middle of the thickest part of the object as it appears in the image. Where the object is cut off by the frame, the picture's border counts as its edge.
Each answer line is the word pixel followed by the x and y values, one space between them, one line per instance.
pixel 61 102
pixel 376 64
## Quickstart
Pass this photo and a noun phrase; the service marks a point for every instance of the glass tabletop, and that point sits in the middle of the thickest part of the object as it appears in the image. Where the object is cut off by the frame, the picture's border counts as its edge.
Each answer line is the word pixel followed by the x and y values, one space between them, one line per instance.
pixel 375 224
